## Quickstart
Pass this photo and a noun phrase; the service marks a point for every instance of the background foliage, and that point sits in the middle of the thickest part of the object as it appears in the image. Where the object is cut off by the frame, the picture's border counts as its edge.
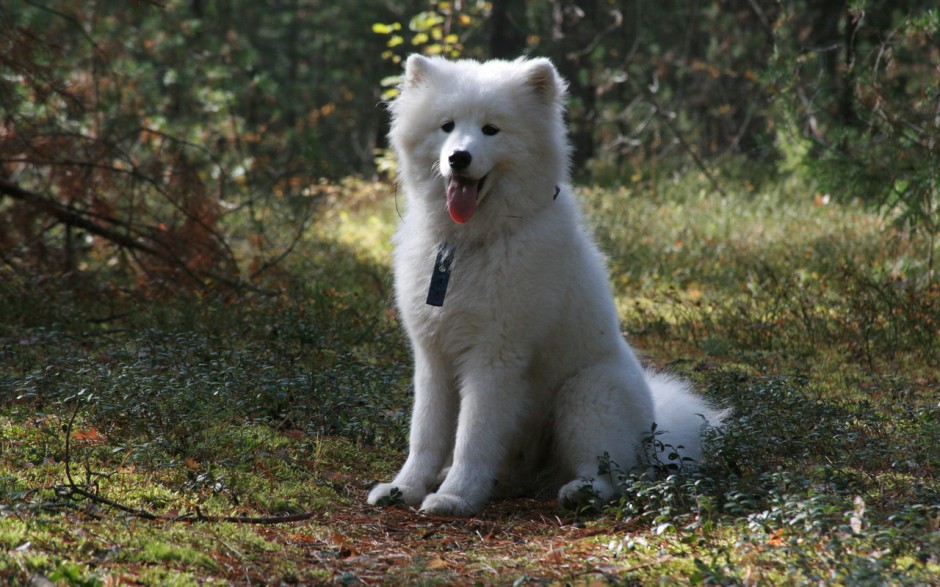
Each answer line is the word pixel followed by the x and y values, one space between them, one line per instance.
pixel 162 138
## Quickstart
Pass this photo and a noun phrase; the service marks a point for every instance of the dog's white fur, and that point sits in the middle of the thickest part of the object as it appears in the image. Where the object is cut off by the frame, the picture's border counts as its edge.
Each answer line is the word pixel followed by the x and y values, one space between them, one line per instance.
pixel 522 378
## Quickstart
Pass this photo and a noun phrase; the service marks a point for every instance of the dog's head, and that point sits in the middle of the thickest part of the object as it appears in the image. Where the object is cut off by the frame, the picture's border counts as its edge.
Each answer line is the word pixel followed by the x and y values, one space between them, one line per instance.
pixel 470 133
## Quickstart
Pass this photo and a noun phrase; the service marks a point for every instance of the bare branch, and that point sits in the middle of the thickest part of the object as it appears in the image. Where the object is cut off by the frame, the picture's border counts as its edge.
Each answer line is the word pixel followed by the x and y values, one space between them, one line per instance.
pixel 75 489
pixel 73 217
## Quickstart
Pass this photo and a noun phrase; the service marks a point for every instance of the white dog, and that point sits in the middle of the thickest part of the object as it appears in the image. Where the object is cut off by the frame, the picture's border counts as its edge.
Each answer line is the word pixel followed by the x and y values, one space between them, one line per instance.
pixel 522 378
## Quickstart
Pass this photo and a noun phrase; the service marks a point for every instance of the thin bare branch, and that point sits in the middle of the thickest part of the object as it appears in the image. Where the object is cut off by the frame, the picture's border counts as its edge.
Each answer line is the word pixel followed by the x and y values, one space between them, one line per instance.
pixel 76 489
pixel 73 217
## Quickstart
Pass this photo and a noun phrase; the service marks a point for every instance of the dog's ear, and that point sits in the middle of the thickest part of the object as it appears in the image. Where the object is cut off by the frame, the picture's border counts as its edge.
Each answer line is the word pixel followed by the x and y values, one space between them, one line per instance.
pixel 543 79
pixel 417 69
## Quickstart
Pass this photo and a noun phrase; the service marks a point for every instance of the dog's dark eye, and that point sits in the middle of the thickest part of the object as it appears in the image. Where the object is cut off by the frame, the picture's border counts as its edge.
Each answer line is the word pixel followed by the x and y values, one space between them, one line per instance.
pixel 490 130
pixel 448 126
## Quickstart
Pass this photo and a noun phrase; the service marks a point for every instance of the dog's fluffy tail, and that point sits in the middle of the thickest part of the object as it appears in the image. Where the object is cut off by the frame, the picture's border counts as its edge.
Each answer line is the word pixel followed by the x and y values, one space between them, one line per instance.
pixel 682 418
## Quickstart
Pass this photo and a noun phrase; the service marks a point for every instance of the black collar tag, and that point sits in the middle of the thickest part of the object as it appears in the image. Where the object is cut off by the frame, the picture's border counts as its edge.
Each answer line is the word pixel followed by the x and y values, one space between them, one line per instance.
pixel 440 275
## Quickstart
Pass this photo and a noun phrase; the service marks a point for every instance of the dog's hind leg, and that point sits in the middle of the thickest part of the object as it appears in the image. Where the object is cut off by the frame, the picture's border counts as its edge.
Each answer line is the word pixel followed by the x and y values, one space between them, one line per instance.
pixel 600 415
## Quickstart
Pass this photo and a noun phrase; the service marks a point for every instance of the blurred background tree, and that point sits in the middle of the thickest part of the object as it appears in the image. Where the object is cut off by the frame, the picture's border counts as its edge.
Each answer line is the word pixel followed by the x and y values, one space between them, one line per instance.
pixel 164 139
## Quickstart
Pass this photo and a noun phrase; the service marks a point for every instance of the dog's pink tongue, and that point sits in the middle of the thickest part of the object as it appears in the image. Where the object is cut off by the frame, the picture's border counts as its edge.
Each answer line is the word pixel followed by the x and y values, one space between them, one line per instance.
pixel 461 199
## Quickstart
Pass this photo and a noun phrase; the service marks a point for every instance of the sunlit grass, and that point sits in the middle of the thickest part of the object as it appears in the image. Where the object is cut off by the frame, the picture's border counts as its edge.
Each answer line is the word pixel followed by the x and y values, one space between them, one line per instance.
pixel 782 270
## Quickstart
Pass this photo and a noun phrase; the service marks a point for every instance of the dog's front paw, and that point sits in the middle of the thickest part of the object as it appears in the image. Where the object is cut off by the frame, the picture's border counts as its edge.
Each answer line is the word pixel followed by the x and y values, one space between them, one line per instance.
pixel 446 504
pixel 385 494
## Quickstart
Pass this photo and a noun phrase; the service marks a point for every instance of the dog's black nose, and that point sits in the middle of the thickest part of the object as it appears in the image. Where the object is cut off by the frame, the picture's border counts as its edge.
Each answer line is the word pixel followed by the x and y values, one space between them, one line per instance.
pixel 460 160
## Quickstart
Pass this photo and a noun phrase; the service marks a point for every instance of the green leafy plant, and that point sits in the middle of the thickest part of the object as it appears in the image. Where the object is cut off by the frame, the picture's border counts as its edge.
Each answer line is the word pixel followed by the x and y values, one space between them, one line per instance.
pixel 439 30
pixel 394 497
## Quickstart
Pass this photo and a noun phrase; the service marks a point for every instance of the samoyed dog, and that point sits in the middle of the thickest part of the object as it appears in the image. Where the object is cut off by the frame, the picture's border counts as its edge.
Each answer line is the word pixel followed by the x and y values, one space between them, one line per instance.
pixel 522 378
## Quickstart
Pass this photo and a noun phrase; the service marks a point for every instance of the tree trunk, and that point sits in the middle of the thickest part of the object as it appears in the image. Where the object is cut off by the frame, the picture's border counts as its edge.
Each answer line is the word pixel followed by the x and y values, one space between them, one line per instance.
pixel 507 38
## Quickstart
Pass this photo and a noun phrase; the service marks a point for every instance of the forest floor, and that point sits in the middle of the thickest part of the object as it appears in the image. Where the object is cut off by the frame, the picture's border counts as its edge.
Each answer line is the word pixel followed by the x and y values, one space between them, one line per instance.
pixel 183 439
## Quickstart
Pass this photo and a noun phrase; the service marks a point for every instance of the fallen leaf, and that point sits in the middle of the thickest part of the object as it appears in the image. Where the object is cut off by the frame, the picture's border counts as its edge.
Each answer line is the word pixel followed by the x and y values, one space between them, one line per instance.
pixel 342 546
pixel 553 556
pixel 776 539
pixel 87 435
